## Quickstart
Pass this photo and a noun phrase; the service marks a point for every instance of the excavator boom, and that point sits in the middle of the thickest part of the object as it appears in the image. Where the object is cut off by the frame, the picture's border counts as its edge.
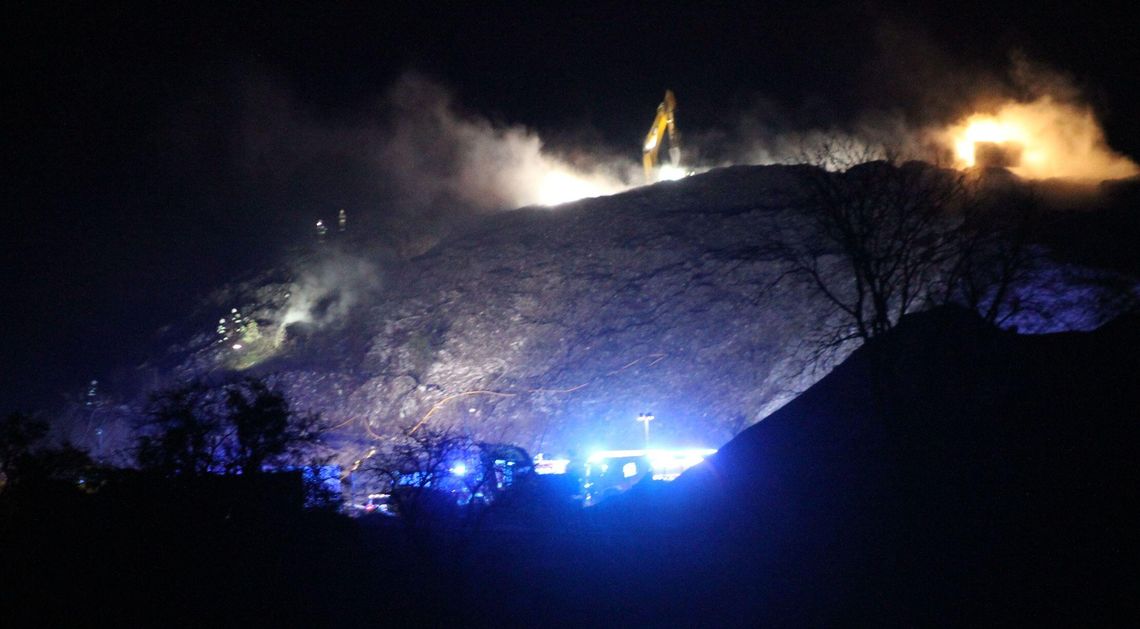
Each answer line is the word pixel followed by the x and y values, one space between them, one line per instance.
pixel 663 123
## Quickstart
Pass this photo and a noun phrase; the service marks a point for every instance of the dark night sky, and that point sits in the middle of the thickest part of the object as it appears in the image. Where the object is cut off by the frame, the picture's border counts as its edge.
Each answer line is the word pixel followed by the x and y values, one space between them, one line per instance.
pixel 124 205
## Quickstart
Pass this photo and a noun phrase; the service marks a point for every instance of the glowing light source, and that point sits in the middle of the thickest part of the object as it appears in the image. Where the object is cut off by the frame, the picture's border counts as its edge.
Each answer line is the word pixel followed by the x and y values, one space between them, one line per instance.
pixel 459 469
pixel 667 463
pixel 985 129
pixel 543 465
pixel 560 186
pixel 645 418
pixel 663 464
pixel 1039 139
pixel 669 172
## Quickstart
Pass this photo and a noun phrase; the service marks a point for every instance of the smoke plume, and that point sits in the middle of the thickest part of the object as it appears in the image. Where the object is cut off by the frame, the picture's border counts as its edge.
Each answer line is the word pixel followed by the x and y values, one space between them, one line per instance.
pixel 1048 123
pixel 326 289
pixel 443 156
pixel 417 161
pixel 414 157
pixel 1035 116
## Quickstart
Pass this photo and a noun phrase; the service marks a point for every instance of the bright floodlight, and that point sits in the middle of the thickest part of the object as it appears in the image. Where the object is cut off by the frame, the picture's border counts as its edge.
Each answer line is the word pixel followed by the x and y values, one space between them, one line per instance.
pixel 669 172
pixel 561 185
pixel 550 466
pixel 459 469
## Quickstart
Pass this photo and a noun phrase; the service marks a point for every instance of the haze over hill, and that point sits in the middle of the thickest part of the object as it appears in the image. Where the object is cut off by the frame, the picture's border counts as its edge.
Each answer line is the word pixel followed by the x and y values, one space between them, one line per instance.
pixel 556 327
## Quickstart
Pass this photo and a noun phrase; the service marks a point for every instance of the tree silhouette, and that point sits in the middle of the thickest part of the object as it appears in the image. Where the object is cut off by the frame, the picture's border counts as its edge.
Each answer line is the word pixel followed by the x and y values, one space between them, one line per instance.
pixel 880 234
pixel 181 435
pixel 27 457
pixel 20 434
pixel 243 427
pixel 418 470
pixel 265 430
pixel 881 238
pixel 993 252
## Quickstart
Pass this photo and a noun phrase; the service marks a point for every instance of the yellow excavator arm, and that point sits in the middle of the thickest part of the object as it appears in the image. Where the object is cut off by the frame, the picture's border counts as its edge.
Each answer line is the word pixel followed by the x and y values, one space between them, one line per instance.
pixel 663 123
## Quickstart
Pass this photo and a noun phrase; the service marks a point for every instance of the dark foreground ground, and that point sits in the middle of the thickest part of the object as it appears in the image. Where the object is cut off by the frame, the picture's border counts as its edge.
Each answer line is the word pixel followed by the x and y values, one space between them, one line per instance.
pixel 947 474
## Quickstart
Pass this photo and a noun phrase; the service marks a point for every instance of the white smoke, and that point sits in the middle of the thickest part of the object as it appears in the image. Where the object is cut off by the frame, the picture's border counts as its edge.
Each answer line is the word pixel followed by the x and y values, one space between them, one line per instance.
pixel 325 290
pixel 416 155
pixel 417 160
pixel 1056 132
pixel 766 133
pixel 441 154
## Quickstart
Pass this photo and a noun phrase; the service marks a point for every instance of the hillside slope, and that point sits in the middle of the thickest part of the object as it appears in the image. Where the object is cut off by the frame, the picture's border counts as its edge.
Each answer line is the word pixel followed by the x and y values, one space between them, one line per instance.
pixel 549 327
pixel 552 327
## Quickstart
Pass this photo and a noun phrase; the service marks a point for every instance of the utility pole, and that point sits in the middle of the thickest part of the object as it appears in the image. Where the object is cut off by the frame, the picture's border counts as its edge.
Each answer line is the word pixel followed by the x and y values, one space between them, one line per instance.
pixel 645 418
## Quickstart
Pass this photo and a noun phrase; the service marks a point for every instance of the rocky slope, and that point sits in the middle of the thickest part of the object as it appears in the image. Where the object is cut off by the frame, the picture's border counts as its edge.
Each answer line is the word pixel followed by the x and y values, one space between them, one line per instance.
pixel 549 327
pixel 556 327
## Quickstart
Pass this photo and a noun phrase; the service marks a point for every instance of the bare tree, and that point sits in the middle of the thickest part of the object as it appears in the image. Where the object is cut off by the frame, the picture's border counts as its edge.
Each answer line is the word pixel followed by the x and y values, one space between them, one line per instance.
pixel 29 457
pixel 242 427
pixel 20 435
pixel 182 432
pixel 883 238
pixel 266 431
pixel 426 472
pixel 993 252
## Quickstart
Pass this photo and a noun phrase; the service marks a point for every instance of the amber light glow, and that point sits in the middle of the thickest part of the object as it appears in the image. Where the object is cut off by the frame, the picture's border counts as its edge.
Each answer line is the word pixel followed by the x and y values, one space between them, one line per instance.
pixel 1049 139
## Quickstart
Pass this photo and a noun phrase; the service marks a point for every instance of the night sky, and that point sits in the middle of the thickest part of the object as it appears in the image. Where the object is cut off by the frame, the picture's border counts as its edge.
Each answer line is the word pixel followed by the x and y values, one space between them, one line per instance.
pixel 127 199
